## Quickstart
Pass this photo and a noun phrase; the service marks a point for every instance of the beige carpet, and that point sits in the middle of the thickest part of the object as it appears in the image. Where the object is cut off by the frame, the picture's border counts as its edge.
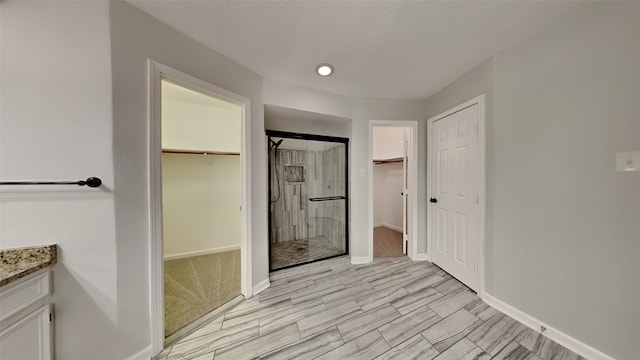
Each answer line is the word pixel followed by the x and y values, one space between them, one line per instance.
pixel 197 285
pixel 386 242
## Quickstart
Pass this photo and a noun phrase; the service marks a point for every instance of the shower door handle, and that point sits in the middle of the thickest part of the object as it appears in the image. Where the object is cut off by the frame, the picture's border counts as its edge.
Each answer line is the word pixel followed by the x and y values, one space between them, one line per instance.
pixel 327 198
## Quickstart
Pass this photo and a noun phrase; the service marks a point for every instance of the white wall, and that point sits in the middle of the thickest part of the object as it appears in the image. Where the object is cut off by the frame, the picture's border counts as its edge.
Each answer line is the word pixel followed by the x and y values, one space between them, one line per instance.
pixel 195 121
pixel 363 111
pixel 301 98
pixel 562 236
pixel 388 142
pixel 200 204
pixel 305 122
pixel 387 198
pixel 55 117
pixel 360 111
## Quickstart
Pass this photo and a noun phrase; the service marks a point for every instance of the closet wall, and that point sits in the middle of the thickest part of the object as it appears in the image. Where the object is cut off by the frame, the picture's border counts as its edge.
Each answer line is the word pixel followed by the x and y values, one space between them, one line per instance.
pixel 201 193
pixel 387 176
pixel 201 197
pixel 387 198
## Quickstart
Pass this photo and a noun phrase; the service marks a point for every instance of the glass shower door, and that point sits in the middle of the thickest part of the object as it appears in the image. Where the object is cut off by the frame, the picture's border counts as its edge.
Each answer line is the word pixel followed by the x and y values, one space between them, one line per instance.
pixel 327 200
pixel 308 198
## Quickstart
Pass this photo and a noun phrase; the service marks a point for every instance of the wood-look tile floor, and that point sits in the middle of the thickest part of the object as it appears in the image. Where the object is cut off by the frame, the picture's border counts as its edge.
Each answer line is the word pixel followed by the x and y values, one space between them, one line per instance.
pixel 393 308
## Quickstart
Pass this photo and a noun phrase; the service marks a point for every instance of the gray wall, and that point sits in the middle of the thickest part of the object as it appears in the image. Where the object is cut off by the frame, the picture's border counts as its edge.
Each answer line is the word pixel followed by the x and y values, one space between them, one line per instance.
pixel 563 227
pixel 136 37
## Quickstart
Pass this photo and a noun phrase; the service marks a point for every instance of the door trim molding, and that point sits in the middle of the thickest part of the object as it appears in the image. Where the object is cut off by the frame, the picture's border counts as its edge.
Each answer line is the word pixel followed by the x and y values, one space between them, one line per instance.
pixel 157 71
pixel 413 185
pixel 482 190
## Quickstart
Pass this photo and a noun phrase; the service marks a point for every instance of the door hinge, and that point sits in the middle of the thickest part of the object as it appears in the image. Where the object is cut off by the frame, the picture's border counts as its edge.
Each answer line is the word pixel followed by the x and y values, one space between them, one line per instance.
pixel 50 317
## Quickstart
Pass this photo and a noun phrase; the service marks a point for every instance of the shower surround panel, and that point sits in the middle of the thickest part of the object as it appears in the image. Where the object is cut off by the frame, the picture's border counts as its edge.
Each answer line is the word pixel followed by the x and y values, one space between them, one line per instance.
pixel 297 218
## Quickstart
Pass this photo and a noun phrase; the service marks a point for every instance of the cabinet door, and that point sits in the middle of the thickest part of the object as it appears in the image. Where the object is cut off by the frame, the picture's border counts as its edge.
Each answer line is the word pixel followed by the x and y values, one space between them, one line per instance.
pixel 29 338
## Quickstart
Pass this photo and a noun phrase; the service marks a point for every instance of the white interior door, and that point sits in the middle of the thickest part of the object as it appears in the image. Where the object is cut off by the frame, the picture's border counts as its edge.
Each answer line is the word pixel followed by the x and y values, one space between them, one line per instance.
pixel 454 194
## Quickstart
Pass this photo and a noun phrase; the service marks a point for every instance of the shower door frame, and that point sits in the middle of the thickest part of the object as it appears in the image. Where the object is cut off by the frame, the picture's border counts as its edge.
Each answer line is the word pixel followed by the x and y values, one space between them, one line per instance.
pixel 309 137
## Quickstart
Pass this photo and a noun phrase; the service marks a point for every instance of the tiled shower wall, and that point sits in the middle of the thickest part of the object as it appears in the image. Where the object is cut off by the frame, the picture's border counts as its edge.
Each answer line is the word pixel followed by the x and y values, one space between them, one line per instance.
pixel 294 216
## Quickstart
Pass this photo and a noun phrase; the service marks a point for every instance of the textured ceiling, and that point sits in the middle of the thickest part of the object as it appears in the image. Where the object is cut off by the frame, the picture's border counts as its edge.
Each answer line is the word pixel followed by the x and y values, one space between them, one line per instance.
pixel 387 49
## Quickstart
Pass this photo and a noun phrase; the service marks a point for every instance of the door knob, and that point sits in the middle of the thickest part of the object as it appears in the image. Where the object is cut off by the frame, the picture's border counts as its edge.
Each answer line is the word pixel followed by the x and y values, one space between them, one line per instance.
pixel 433 200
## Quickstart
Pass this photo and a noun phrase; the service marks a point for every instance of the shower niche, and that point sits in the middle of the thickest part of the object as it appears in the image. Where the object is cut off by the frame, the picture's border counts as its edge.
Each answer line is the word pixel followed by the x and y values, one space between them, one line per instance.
pixel 308 192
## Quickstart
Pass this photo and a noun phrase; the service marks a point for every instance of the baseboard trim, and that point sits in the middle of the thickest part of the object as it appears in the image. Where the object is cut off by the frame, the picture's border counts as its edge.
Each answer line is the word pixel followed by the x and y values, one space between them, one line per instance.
pixel 356 260
pixel 421 257
pixel 201 252
pixel 261 286
pixel 144 354
pixel 552 333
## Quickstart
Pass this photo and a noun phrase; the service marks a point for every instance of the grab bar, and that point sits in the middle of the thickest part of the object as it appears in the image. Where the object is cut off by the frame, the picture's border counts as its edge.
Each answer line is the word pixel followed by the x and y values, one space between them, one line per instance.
pixel 327 198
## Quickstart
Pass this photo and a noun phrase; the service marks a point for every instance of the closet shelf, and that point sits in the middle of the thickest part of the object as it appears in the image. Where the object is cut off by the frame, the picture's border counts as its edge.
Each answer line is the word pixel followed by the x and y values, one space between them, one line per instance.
pixel 198 152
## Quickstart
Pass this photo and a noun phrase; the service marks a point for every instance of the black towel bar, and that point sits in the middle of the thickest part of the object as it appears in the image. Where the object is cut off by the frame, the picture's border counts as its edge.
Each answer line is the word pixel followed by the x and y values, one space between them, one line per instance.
pixel 90 182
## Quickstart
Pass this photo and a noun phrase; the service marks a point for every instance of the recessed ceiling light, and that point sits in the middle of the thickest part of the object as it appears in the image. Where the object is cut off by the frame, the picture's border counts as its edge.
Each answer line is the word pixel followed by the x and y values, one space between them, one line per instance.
pixel 324 69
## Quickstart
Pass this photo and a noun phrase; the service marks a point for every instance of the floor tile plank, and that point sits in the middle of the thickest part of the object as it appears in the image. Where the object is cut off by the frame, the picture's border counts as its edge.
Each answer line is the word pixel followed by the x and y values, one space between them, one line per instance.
pixel 310 347
pixel 416 348
pixel 328 318
pixel 367 346
pixel 259 345
pixel 405 327
pixel 451 329
pixel 368 321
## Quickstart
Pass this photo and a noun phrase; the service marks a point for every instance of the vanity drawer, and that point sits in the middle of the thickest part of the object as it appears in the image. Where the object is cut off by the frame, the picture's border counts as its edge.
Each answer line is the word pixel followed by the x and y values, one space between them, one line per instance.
pixel 21 295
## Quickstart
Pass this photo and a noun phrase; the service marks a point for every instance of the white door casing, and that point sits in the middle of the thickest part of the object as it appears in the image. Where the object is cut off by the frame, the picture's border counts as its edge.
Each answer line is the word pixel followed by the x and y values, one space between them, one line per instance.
pixel 456 188
pixel 405 192
pixel 156 72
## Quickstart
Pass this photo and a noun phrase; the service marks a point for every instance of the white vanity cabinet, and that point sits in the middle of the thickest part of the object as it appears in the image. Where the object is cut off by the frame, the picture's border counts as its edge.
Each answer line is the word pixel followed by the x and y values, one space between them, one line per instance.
pixel 25 318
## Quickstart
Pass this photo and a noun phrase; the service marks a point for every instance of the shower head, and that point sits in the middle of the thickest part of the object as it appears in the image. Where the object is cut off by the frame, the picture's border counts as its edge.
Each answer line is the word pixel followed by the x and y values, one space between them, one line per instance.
pixel 276 144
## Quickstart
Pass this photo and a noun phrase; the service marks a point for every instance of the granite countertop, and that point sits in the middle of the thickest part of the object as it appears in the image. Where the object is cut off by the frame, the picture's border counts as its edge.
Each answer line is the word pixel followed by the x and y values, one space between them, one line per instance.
pixel 20 262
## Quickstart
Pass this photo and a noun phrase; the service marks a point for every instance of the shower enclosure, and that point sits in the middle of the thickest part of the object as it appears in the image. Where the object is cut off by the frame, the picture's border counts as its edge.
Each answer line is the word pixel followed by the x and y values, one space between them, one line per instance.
pixel 308 192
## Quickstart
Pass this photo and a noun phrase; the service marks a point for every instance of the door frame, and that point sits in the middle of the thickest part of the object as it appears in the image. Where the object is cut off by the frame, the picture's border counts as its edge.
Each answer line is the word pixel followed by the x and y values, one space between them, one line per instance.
pixel 481 177
pixel 157 72
pixel 413 183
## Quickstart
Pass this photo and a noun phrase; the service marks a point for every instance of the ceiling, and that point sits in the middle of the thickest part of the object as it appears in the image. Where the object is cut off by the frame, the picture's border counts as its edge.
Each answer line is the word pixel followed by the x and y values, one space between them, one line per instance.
pixel 384 49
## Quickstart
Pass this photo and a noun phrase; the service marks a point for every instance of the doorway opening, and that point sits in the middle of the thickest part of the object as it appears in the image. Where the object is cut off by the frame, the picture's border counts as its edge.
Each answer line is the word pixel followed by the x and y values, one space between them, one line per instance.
pixel 308 192
pixel 393 195
pixel 199 201
pixel 389 188
pixel 201 195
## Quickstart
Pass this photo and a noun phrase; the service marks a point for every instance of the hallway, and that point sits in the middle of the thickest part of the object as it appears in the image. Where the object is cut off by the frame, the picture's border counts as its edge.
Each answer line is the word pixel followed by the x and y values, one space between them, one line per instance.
pixel 394 308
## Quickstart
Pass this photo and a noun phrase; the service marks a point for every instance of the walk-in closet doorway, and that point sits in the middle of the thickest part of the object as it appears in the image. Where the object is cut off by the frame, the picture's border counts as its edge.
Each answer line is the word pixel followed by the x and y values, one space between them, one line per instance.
pixel 393 165
pixel 198 193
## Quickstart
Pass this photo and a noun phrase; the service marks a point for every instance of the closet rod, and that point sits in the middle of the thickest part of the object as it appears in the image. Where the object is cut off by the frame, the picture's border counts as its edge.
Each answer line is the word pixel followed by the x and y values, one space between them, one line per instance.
pixel 388 161
pixel 191 152
pixel 90 182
